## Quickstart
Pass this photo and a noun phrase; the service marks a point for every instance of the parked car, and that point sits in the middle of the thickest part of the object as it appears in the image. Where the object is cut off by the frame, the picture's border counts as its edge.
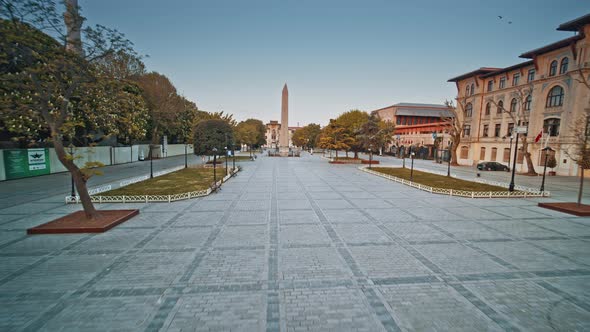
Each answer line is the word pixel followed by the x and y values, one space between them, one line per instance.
pixel 492 166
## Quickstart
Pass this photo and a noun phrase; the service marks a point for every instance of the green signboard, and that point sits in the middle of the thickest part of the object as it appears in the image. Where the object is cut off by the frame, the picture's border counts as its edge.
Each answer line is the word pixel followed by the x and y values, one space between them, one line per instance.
pixel 26 162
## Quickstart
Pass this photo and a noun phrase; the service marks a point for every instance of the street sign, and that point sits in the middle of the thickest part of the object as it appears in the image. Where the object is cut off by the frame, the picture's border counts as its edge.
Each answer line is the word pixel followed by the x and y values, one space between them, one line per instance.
pixel 520 130
pixel 24 163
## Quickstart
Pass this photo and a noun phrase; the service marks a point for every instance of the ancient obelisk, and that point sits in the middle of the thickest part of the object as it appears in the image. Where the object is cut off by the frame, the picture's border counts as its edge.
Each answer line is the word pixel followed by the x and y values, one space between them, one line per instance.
pixel 284 133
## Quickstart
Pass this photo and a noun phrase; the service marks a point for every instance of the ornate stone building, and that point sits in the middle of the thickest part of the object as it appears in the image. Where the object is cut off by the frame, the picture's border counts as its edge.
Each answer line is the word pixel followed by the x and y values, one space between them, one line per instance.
pixel 546 94
pixel 273 133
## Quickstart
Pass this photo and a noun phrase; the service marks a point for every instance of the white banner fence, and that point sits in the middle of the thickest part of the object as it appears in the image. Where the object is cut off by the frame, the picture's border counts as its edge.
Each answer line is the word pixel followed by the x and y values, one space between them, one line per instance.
pixel 519 193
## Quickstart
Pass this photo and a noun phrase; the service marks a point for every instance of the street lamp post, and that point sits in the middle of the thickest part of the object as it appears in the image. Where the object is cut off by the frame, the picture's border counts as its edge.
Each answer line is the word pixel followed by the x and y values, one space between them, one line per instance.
pixel 547 149
pixel 370 157
pixel 449 164
pixel 226 169
pixel 151 162
pixel 412 153
pixel 185 156
pixel 214 168
pixel 73 192
pixel 511 186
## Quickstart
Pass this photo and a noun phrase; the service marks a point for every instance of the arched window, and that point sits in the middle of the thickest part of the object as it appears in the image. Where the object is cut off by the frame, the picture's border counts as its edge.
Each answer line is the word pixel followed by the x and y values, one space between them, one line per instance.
pixel 555 97
pixel 563 67
pixel 467 91
pixel 488 108
pixel 553 68
pixel 500 107
pixel 468 110
pixel 551 126
pixel 513 104
pixel 527 103
pixel 472 89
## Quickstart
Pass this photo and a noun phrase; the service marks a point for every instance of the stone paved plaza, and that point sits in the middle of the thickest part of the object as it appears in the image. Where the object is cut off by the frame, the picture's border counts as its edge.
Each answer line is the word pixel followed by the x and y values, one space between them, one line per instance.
pixel 296 245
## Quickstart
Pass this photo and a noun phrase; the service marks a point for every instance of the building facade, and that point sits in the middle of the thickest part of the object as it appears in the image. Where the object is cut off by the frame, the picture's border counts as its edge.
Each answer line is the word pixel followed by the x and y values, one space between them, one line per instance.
pixel 544 95
pixel 418 125
pixel 273 133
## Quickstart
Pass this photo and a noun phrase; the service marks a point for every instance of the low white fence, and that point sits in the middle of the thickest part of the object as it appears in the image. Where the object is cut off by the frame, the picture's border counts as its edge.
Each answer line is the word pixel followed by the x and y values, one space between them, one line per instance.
pixel 149 198
pixel 528 192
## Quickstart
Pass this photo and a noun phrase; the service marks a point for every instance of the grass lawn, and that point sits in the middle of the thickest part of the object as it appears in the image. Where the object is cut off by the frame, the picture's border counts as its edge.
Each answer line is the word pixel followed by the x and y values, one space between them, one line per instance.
pixel 185 180
pixel 437 181
pixel 346 158
pixel 230 159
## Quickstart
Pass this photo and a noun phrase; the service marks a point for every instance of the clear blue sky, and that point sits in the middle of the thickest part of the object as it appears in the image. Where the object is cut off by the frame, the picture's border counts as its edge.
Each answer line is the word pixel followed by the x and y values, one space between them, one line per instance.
pixel 335 56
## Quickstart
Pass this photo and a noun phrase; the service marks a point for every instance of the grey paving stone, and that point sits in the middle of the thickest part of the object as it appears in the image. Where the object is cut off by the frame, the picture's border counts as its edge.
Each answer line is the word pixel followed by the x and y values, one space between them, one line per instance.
pixel 231 236
pixel 297 217
pixel 327 204
pixel 311 263
pixel 127 314
pixel 294 204
pixel 147 219
pixel 575 250
pixel 255 217
pixel 456 258
pixel 391 215
pixel 298 244
pixel 237 311
pixel 204 218
pixel 532 307
pixel 417 232
pixel 361 233
pixel 346 216
pixel 337 309
pixel 387 261
pixel 9 265
pixel 180 238
pixel 65 273
pixel 42 244
pixel 230 267
pixel 468 230
pixel 435 307
pixel 146 270
pixel 526 256
pixel 303 234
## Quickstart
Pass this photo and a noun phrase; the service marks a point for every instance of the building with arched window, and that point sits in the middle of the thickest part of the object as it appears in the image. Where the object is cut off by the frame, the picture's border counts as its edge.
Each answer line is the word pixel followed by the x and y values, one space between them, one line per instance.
pixel 418 125
pixel 551 99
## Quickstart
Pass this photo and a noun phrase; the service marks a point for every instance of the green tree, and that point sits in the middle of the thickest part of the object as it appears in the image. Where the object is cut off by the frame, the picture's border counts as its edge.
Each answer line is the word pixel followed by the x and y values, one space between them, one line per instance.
pixel 260 130
pixel 163 103
pixel 375 133
pixel 41 77
pixel 352 121
pixel 307 136
pixel 210 134
pixel 335 137
pixel 246 133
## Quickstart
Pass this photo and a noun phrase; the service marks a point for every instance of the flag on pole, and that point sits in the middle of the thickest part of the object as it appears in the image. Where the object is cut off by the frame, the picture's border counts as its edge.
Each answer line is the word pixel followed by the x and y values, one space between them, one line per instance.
pixel 547 140
pixel 539 136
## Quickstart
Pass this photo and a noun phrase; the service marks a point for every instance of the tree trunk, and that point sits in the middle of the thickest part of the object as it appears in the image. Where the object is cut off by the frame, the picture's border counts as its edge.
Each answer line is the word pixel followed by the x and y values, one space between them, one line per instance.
pixel 527 156
pixel 336 153
pixel 456 142
pixel 581 186
pixel 346 153
pixel 356 154
pixel 79 179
